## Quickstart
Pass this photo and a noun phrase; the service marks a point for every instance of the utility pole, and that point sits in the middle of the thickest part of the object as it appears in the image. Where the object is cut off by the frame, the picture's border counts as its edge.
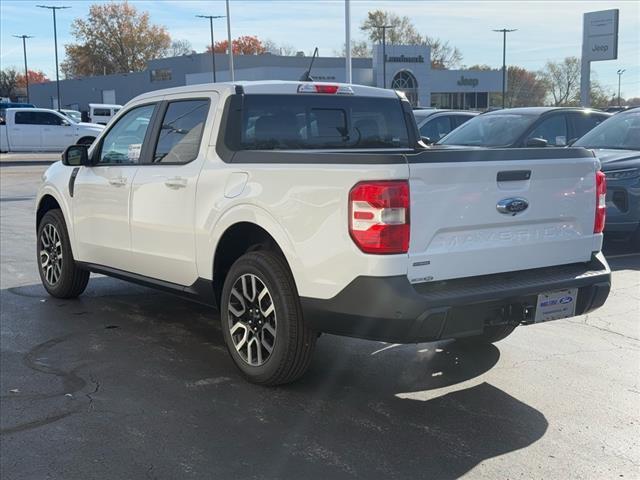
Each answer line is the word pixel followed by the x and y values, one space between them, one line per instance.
pixel 504 60
pixel 347 39
pixel 384 52
pixel 620 72
pixel 26 69
pixel 55 43
pixel 213 52
pixel 231 72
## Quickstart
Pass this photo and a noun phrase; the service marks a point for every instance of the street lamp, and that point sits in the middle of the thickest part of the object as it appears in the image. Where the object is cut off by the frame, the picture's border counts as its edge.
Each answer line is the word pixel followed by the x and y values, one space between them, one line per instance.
pixel 620 72
pixel 26 70
pixel 213 52
pixel 384 52
pixel 504 60
pixel 55 42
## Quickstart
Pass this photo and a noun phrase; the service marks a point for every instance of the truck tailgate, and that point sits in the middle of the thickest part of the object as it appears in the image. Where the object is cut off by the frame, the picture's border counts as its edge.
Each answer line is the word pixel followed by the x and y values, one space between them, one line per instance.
pixel 490 211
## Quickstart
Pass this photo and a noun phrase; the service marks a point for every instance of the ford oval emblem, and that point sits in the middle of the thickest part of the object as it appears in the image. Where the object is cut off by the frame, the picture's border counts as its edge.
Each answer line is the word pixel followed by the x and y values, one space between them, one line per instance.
pixel 512 206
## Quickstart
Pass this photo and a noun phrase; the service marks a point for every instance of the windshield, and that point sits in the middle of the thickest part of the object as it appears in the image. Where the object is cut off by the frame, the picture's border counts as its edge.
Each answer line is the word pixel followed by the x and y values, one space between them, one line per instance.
pixel 73 115
pixel 493 130
pixel 622 131
pixel 307 121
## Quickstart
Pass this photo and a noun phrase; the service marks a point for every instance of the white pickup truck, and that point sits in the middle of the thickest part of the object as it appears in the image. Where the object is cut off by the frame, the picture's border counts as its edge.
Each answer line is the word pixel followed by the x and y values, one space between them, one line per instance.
pixel 298 208
pixel 41 129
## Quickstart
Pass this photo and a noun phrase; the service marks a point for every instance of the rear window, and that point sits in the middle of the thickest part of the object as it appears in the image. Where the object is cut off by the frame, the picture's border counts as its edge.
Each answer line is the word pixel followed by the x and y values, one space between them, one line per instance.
pixel 102 112
pixel 308 121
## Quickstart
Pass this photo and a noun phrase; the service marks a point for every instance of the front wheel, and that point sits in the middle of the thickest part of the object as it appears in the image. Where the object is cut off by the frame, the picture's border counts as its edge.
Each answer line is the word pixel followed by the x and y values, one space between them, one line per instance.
pixel 59 273
pixel 262 320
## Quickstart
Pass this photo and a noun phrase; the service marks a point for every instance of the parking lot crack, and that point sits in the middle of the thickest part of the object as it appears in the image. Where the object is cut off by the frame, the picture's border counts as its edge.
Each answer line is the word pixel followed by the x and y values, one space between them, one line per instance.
pixel 95 390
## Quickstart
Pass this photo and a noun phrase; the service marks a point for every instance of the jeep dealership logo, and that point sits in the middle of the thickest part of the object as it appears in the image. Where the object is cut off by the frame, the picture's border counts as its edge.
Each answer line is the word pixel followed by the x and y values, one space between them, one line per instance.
pixel 600 48
pixel 469 82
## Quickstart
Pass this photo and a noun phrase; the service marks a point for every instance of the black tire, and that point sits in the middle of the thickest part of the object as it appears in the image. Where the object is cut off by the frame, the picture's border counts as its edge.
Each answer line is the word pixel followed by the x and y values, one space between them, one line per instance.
pixel 71 280
pixel 293 342
pixel 86 140
pixel 491 334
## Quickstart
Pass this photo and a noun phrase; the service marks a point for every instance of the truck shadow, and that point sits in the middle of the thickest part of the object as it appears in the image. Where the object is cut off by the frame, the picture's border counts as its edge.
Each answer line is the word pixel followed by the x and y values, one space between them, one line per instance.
pixel 155 367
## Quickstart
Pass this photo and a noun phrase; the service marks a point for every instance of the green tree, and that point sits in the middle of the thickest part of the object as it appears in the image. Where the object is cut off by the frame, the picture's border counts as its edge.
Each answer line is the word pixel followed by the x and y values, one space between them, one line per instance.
pixel 114 38
pixel 9 79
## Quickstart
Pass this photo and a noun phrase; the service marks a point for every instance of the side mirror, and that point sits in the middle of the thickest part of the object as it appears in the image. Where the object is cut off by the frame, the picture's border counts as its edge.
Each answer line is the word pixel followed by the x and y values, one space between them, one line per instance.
pixel 427 140
pixel 76 156
pixel 537 142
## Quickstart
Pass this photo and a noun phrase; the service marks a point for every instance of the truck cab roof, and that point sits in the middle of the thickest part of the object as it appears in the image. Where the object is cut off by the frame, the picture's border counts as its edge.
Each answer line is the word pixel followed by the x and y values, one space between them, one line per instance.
pixel 270 87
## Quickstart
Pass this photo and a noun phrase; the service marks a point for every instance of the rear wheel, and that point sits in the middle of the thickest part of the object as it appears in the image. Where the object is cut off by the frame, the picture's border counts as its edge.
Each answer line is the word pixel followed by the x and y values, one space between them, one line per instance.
pixel 262 320
pixel 59 273
pixel 491 334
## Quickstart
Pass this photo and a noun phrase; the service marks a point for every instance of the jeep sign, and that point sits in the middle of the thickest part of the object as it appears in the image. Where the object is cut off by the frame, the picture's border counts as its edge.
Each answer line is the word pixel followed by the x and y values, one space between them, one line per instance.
pixel 600 35
pixel 470 82
pixel 599 42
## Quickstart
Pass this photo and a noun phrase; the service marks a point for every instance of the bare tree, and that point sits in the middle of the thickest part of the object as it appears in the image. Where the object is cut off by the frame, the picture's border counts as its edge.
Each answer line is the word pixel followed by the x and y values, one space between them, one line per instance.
pixel 563 81
pixel 359 49
pixel 443 55
pixel 179 48
pixel 283 49
pixel 404 32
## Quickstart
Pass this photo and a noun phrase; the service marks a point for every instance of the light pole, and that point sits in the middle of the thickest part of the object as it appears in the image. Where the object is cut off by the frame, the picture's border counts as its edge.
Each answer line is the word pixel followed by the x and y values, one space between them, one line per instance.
pixel 231 72
pixel 26 69
pixel 213 52
pixel 384 52
pixel 620 72
pixel 504 60
pixel 55 43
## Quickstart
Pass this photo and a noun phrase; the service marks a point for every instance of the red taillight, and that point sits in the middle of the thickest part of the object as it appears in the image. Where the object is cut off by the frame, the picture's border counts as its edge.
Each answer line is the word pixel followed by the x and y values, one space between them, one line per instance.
pixel 379 216
pixel 324 88
pixel 601 202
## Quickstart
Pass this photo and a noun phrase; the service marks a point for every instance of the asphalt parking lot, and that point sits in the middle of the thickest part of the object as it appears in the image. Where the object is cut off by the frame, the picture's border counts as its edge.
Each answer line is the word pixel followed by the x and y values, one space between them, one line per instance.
pixel 127 382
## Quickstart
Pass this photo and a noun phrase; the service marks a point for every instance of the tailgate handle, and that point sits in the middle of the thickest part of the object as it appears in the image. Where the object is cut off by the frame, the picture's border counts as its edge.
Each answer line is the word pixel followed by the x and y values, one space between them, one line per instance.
pixel 514 175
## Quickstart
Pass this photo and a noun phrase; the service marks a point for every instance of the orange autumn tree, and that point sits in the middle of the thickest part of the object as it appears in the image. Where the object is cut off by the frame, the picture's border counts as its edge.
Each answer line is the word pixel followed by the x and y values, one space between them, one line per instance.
pixel 34 77
pixel 245 45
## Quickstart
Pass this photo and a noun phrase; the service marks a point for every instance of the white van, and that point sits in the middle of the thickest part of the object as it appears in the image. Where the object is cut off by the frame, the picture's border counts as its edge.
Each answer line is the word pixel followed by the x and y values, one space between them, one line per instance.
pixel 101 112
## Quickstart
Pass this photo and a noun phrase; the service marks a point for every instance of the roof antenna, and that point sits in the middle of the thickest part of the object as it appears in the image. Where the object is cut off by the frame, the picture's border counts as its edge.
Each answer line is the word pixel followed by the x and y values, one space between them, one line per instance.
pixel 306 76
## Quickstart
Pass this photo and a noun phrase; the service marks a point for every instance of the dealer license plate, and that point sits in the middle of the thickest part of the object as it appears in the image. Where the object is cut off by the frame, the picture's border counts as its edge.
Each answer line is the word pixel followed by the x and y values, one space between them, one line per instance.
pixel 556 305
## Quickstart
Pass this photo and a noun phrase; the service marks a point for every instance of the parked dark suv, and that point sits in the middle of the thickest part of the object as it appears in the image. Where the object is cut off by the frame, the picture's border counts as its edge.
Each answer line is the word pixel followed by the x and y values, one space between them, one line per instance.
pixel 526 127
pixel 434 123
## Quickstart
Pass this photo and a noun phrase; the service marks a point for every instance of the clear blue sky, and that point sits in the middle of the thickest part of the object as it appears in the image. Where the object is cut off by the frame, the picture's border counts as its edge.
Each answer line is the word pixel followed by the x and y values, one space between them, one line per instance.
pixel 547 30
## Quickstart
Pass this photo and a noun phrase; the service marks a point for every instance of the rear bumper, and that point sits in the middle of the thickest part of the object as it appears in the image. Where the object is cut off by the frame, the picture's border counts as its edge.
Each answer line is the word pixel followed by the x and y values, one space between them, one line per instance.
pixel 391 309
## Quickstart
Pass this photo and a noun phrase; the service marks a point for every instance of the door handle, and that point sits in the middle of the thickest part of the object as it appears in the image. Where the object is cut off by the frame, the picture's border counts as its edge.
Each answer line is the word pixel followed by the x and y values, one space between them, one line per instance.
pixel 176 183
pixel 118 181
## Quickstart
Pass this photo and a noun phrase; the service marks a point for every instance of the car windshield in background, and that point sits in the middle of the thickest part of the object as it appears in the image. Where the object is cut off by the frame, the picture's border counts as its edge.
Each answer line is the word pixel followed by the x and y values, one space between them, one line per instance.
pixel 494 130
pixel 73 115
pixel 621 131
pixel 297 122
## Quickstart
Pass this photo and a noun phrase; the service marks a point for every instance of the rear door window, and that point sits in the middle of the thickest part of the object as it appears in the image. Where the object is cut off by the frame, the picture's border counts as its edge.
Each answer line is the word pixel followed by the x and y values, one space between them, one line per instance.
pixel 307 121
pixel 553 129
pixel 181 131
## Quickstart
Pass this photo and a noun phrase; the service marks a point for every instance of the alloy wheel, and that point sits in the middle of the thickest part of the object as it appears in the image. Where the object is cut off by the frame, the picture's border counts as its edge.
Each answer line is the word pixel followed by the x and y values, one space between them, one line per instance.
pixel 252 319
pixel 51 254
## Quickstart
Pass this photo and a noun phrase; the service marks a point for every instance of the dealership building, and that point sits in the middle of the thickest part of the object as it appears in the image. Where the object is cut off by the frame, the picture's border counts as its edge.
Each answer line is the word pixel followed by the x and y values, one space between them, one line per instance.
pixel 407 68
